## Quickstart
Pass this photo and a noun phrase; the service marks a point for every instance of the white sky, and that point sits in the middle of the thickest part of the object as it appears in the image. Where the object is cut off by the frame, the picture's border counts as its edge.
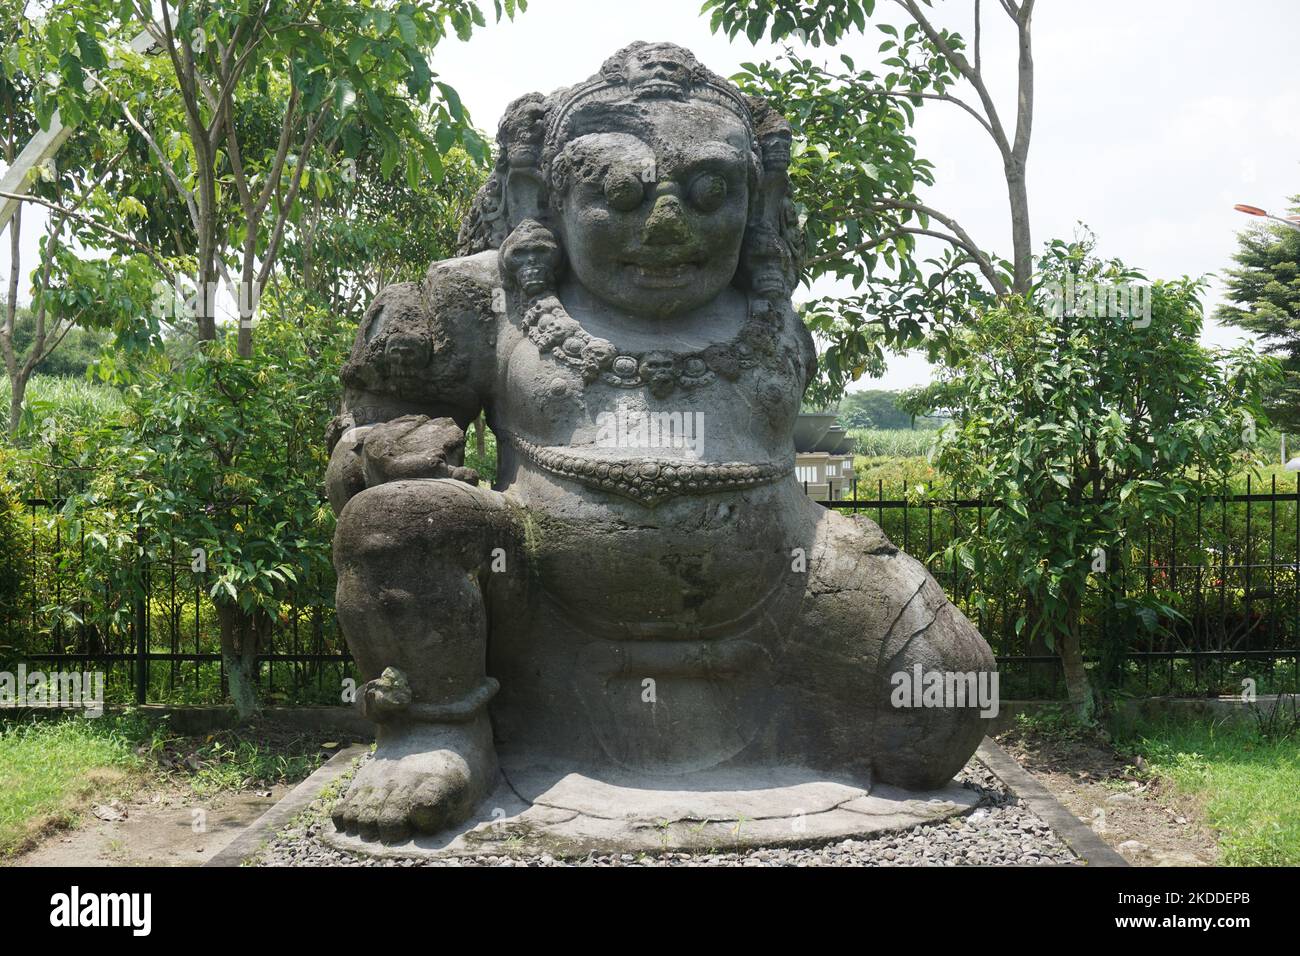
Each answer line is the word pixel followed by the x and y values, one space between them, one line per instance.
pixel 1151 118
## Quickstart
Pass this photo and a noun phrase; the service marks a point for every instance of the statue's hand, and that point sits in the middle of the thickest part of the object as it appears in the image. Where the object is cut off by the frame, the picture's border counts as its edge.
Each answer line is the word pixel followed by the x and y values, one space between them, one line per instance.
pixel 414 446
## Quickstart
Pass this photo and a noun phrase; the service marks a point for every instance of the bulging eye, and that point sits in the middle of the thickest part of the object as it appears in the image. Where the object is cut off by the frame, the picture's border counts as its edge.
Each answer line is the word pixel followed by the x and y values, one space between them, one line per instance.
pixel 623 191
pixel 708 191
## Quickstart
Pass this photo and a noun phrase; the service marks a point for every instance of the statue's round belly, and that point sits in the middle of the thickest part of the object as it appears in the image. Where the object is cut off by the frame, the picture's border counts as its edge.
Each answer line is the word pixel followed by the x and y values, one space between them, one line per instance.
pixel 695 566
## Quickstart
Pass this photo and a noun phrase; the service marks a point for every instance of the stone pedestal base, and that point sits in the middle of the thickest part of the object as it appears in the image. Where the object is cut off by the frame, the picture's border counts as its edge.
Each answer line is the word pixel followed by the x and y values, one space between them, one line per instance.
pixel 536 810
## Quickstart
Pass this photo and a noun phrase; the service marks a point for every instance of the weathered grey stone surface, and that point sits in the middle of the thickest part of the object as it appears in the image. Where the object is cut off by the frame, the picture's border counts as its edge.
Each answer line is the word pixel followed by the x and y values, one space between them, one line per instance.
pixel 1000 831
pixel 574 813
pixel 645 589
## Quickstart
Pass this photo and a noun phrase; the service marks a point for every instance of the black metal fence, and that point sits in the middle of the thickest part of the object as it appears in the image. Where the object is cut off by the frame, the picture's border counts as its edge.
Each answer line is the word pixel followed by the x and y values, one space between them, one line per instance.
pixel 153 631
pixel 1229 566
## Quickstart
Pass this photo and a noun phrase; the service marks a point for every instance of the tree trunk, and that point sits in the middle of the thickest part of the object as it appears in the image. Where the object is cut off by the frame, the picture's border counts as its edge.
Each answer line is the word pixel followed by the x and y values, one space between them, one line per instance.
pixel 205 317
pixel 207 272
pixel 1076 675
pixel 1021 239
pixel 245 339
pixel 1017 189
pixel 17 395
pixel 10 356
pixel 242 634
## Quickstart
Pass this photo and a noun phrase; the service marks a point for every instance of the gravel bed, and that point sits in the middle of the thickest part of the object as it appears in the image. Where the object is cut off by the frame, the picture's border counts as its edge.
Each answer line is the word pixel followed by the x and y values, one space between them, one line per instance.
pixel 1000 832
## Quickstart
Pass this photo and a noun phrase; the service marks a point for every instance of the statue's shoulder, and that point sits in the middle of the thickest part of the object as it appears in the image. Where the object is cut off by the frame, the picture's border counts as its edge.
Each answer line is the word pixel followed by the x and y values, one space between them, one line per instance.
pixel 427 347
pixel 464 282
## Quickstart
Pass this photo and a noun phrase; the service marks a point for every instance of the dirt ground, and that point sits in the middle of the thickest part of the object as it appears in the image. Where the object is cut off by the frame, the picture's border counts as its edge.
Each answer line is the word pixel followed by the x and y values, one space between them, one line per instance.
pixel 157 826
pixel 1145 822
pixel 156 818
pixel 164 823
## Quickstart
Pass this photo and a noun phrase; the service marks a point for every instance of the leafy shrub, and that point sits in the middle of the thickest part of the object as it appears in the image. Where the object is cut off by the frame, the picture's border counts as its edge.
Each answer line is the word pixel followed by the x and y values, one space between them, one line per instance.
pixel 14 573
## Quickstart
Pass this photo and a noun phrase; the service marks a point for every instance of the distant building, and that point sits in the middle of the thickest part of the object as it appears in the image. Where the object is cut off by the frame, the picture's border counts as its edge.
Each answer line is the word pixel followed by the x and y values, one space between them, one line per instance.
pixel 826 477
pixel 823 458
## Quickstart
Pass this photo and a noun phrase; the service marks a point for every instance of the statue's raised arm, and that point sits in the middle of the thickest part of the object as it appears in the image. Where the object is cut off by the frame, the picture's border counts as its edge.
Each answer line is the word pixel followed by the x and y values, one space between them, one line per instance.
pixel 414 381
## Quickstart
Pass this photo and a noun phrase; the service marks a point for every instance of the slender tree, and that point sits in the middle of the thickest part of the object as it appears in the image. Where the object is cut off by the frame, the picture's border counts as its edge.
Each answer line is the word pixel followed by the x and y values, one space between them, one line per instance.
pixel 233 103
pixel 1263 297
pixel 858 191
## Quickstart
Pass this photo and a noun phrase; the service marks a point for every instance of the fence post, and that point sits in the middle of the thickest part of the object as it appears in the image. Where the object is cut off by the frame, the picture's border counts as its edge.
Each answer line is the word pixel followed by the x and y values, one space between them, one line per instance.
pixel 141 621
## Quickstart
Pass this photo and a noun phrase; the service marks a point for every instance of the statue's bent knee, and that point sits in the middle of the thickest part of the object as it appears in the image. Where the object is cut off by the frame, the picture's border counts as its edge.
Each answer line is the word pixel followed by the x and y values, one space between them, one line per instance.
pixel 441 519
pixel 409 556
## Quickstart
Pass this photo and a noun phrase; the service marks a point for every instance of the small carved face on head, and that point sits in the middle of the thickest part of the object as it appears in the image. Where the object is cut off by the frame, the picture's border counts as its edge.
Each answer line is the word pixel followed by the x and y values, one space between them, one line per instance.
pixel 522 128
pixel 766 263
pixel 774 136
pixel 531 257
pixel 776 145
pixel 406 354
pixel 656 229
pixel 658 71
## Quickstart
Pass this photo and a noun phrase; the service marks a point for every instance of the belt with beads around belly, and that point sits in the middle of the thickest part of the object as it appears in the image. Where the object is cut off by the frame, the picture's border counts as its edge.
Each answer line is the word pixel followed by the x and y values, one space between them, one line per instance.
pixel 651 480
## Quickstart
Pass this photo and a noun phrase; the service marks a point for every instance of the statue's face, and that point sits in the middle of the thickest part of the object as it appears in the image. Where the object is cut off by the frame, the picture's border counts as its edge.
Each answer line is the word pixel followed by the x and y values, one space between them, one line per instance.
pixel 533 265
pixel 661 231
pixel 405 357
pixel 657 71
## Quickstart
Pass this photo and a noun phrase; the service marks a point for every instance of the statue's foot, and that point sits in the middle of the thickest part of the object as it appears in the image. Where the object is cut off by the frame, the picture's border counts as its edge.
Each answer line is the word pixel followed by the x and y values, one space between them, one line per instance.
pixel 423 778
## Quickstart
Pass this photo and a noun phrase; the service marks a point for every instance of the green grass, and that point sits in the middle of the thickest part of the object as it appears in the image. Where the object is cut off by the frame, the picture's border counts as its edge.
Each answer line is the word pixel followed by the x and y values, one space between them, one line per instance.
pixel 227 765
pixel 894 442
pixel 49 769
pixel 68 401
pixel 1245 781
pixel 52 769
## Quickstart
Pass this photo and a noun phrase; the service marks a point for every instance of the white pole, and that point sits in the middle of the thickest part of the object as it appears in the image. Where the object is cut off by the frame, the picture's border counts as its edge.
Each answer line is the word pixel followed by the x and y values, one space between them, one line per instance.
pixel 41 148
pixel 19 177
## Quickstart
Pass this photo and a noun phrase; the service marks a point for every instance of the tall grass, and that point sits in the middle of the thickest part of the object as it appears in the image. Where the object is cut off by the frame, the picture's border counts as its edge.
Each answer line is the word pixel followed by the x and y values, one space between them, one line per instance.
pixel 50 769
pixel 62 400
pixel 894 442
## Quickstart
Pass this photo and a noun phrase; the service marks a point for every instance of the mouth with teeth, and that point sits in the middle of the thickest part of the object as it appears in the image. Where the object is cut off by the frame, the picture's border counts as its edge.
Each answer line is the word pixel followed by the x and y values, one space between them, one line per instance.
pixel 663 275
pixel 533 280
pixel 659 87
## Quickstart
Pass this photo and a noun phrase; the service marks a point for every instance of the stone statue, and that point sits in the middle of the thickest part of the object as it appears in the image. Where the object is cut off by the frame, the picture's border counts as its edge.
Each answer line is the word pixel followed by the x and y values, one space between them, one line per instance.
pixel 646 587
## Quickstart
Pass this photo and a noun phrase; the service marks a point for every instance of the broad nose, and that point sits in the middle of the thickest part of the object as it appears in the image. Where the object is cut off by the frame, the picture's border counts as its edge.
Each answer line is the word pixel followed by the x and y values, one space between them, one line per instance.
pixel 406 346
pixel 666 225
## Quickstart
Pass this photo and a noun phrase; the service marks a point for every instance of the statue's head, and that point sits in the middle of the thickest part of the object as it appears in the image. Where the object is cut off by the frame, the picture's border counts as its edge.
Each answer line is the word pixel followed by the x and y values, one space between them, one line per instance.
pixel 531 258
pixel 647 178
pixel 655 71
pixel 766 262
pixel 653 221
pixel 400 350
